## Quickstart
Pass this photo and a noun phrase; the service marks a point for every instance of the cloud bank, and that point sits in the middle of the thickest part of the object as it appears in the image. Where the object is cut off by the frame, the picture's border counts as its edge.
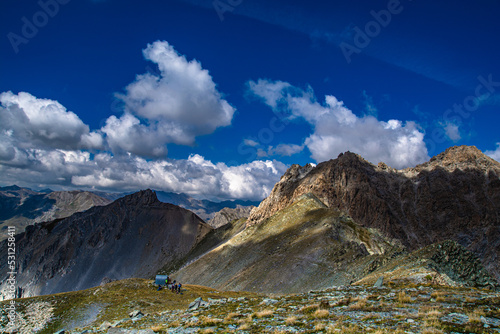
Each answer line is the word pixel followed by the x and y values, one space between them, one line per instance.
pixel 43 144
pixel 195 176
pixel 337 129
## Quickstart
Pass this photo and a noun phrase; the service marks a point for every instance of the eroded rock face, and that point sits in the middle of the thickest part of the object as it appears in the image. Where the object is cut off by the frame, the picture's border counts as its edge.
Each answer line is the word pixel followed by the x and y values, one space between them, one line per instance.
pixel 445 263
pixel 456 195
pixel 460 265
pixel 131 237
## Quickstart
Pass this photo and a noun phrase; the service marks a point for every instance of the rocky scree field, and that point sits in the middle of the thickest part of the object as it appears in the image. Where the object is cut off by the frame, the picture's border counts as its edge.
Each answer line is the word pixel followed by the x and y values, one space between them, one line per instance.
pixel 135 306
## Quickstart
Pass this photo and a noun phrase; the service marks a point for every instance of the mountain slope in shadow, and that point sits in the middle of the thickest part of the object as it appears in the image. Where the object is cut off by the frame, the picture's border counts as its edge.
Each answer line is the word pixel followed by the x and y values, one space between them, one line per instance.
pixel 134 236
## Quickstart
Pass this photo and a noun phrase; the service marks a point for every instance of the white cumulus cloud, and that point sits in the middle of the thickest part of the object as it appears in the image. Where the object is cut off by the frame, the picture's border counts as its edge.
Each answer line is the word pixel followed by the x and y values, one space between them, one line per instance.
pixel 337 129
pixel 494 154
pixel 251 142
pixel 284 150
pixel 29 123
pixel 195 176
pixel 174 106
pixel 452 131
pixel 42 144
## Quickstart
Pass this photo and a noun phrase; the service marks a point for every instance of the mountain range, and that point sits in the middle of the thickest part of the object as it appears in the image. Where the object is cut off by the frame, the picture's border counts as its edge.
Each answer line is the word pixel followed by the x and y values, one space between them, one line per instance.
pixel 454 196
pixel 344 221
pixel 339 221
pixel 20 207
pixel 205 209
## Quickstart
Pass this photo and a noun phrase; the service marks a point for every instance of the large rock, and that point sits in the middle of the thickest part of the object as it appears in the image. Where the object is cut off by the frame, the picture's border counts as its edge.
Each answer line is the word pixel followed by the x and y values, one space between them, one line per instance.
pixel 196 304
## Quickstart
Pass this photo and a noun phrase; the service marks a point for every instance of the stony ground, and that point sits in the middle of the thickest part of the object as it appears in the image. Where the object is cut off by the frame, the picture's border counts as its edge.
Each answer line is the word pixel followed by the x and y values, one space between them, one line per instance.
pixel 389 309
pixel 341 310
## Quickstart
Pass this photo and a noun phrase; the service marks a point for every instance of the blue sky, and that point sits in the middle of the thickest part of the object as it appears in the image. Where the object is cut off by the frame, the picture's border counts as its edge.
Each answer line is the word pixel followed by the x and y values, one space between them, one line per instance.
pixel 217 98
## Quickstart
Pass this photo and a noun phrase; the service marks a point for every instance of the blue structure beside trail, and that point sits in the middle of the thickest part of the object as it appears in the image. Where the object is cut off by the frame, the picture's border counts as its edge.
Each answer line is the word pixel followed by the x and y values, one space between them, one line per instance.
pixel 160 279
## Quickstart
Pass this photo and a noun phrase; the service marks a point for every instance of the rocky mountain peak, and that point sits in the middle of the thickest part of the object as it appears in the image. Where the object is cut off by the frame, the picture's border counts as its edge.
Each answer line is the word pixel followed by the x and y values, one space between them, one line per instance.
pixel 143 197
pixel 455 195
pixel 12 187
pixel 349 156
pixel 296 172
pixel 460 157
pixel 227 215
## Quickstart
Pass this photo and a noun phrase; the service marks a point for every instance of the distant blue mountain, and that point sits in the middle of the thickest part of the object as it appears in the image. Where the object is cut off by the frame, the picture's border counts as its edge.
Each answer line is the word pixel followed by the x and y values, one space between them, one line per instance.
pixel 204 208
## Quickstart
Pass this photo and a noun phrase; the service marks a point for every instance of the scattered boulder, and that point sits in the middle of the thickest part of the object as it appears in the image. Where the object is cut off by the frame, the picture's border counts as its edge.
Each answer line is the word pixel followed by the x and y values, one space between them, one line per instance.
pixel 116 323
pixel 324 305
pixel 197 303
pixel 456 318
pixel 490 321
pixel 268 301
pixel 106 280
pixel 135 313
pixel 105 325
pixel 129 331
pixel 379 283
pixel 114 330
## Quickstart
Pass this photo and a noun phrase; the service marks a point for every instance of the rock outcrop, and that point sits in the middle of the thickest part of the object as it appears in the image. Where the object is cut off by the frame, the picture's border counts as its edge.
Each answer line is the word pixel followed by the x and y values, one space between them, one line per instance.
pixel 445 263
pixel 132 237
pixel 227 215
pixel 456 196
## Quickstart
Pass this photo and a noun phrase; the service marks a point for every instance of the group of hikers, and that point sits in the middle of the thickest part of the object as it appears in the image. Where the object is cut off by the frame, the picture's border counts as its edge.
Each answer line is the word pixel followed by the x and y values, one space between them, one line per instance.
pixel 172 286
